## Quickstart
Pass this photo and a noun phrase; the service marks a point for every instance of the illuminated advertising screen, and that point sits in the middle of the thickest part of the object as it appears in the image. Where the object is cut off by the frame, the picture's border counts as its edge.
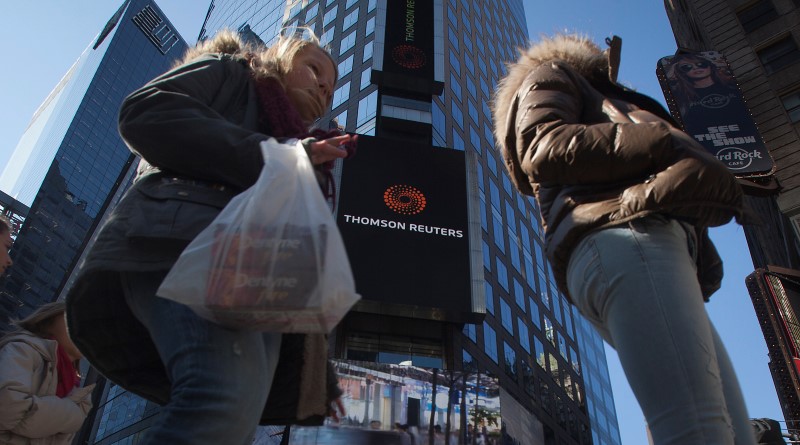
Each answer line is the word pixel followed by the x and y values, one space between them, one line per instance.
pixel 702 93
pixel 408 56
pixel 391 404
pixel 402 212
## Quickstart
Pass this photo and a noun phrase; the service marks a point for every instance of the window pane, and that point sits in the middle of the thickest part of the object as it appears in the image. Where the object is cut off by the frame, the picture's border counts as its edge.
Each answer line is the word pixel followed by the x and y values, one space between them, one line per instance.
pixel 365 78
pixel 779 55
pixel 792 104
pixel 757 15
pixel 345 67
pixel 340 95
pixel 329 16
pixel 490 342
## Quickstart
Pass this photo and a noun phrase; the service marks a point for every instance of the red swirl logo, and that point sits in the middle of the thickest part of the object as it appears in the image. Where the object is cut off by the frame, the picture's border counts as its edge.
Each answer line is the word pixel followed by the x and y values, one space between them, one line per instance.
pixel 409 57
pixel 404 199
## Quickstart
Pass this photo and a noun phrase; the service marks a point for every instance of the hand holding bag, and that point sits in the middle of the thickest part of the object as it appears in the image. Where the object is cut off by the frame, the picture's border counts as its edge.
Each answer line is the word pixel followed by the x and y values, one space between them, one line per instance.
pixel 273 260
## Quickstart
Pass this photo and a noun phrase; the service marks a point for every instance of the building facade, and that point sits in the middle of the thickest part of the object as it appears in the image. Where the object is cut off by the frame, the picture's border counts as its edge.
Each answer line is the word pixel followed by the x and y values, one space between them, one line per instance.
pixel 761 41
pixel 549 362
pixel 70 162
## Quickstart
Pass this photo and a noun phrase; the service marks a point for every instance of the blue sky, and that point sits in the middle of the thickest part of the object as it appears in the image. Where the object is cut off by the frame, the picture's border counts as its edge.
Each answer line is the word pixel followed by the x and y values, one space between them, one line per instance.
pixel 43 38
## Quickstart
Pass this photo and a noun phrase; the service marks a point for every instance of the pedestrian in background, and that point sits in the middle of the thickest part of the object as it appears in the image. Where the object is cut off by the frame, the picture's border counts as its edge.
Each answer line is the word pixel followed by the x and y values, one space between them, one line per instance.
pixel 5 244
pixel 626 199
pixel 198 129
pixel 41 401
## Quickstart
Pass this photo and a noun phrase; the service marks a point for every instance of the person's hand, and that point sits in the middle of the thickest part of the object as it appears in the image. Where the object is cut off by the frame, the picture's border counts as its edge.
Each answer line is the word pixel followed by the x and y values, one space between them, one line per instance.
pixel 328 149
pixel 337 410
pixel 82 397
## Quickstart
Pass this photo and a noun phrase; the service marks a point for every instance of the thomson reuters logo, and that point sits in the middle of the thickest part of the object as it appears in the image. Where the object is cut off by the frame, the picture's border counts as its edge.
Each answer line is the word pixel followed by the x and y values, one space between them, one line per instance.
pixel 409 57
pixel 404 199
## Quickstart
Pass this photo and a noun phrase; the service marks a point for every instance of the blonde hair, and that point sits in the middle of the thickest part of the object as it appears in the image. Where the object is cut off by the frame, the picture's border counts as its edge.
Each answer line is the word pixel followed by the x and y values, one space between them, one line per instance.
pixel 5 225
pixel 274 61
pixel 40 320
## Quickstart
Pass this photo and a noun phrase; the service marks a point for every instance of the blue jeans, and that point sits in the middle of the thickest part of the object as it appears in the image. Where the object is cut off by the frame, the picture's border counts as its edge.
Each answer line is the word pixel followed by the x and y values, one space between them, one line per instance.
pixel 637 284
pixel 220 377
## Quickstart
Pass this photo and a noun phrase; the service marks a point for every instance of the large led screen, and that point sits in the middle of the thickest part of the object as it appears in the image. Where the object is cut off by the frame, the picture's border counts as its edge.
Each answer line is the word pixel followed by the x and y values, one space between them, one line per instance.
pixel 402 212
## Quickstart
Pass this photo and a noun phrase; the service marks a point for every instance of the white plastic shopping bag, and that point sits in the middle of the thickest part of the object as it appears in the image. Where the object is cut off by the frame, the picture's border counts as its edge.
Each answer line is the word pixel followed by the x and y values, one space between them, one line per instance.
pixel 273 260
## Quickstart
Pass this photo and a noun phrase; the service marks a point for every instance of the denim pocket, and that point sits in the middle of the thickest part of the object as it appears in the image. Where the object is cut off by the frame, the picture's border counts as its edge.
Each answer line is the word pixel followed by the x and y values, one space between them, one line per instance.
pixel 586 278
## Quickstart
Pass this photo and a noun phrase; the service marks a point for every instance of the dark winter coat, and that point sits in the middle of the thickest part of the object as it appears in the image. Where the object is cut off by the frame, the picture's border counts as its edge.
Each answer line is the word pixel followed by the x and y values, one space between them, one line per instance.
pixel 596 154
pixel 196 129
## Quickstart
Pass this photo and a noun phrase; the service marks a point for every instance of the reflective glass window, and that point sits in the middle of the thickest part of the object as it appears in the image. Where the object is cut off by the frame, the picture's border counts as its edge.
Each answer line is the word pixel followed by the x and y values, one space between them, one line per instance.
pixel 489 294
pixel 365 78
pixel 455 112
pixel 510 361
pixel 345 67
pixel 367 51
pixel 312 12
pixel 367 107
pixel 330 16
pixel 487 257
pixel 341 119
pixel 505 317
pixel 453 37
pixel 490 342
pixel 347 42
pixel 469 331
pixel 455 86
pixel 502 273
pixel 350 20
pixel 370 27
pixel 458 142
pixel 473 112
pixel 340 95
pixel 523 336
pixel 455 65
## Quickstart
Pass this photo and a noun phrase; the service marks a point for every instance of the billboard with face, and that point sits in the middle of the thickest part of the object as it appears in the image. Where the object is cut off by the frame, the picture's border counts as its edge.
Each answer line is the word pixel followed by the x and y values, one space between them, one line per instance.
pixel 702 93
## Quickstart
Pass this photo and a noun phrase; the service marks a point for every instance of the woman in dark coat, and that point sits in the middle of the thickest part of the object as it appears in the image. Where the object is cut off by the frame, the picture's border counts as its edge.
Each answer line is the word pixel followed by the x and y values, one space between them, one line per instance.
pixel 198 130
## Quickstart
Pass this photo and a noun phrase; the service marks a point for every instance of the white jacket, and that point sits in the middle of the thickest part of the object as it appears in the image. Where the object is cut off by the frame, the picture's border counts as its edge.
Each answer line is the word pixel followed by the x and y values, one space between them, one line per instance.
pixel 30 411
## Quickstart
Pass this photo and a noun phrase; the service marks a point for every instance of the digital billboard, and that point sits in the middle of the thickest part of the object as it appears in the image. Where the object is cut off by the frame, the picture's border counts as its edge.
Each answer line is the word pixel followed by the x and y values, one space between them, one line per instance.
pixel 402 212
pixel 702 93
pixel 408 48
pixel 390 404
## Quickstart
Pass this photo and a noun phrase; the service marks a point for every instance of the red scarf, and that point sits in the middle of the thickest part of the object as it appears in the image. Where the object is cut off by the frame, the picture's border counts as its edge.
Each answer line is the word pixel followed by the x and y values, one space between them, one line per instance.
pixel 67 374
pixel 278 118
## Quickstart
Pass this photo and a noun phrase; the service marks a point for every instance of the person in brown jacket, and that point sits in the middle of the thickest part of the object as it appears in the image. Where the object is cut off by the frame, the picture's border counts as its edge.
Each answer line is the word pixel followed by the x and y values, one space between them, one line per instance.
pixel 626 199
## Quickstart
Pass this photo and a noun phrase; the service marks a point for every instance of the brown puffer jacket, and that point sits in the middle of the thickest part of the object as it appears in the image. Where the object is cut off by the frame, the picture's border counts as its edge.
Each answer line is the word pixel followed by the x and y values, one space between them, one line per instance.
pixel 596 154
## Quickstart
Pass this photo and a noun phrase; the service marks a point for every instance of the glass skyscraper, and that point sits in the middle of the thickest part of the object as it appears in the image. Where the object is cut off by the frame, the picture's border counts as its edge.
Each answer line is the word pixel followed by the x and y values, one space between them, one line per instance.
pixel 70 162
pixel 550 362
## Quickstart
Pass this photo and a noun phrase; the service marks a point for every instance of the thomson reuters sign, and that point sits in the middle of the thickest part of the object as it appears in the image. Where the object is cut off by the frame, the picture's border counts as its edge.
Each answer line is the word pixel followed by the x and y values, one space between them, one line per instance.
pixel 402 209
pixel 409 58
pixel 403 200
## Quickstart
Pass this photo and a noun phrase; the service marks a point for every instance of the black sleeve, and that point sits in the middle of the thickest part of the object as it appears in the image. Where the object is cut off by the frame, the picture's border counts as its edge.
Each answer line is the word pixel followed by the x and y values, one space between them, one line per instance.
pixel 176 122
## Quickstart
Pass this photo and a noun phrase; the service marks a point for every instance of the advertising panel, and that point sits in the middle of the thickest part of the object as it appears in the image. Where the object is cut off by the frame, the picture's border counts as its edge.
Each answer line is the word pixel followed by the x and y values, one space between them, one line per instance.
pixel 702 93
pixel 408 55
pixel 409 38
pixel 391 404
pixel 402 212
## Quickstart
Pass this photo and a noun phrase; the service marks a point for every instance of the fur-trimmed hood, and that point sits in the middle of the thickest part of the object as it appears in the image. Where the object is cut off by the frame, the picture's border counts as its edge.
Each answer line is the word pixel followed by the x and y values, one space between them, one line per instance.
pixel 581 53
